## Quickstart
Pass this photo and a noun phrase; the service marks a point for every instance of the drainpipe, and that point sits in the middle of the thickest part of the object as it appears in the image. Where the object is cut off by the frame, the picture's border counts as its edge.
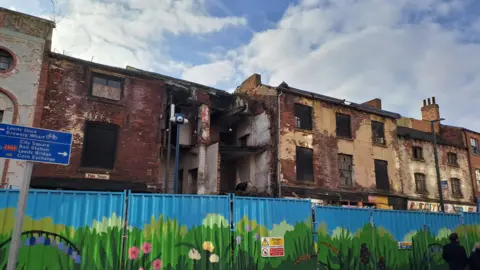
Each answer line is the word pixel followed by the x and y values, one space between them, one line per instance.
pixel 278 147
pixel 472 173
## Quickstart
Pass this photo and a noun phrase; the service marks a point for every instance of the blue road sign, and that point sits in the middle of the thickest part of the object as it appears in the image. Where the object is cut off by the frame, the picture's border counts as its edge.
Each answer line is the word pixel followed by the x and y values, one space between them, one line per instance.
pixel 35 144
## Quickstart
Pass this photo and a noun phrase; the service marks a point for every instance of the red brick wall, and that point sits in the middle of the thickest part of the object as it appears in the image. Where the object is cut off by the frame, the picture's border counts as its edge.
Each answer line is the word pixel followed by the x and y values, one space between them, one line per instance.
pixel 67 107
pixel 474 159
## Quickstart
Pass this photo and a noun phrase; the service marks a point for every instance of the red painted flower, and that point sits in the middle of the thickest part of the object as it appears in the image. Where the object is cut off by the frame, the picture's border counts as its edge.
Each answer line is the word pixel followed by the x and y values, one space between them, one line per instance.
pixel 133 253
pixel 157 264
pixel 146 248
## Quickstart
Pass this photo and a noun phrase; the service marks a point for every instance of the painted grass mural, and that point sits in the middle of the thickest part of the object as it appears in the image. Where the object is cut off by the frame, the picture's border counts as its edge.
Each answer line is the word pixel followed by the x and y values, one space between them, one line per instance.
pixel 354 246
pixel 259 217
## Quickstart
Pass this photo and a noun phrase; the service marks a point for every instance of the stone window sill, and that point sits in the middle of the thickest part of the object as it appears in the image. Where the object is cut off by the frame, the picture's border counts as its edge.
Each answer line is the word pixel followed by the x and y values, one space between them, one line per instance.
pixel 303 130
pixel 418 159
pixel 96 170
pixel 107 101
pixel 384 145
pixel 345 138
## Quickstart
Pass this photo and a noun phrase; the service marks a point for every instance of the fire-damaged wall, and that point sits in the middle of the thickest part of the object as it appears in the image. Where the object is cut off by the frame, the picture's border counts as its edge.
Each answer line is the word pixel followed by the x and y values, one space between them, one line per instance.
pixel 116 112
pixel 327 146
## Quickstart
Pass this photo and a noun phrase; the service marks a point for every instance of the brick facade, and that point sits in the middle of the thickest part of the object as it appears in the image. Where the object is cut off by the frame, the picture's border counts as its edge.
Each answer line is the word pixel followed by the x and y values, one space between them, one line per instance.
pixel 67 107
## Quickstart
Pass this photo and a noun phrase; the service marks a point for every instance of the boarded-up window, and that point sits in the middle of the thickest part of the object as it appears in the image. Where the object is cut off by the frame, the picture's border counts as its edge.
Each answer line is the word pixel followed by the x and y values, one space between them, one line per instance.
pixel 474 143
pixel 378 132
pixel 381 175
pixel 304 164
pixel 303 117
pixel 452 158
pixel 100 145
pixel 1 116
pixel 344 127
pixel 456 187
pixel 420 183
pixel 417 152
pixel 345 165
pixel 107 87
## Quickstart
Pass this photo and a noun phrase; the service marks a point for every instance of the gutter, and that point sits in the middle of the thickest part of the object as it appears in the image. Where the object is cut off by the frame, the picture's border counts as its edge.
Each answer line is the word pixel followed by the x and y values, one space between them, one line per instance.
pixel 278 146
pixel 470 166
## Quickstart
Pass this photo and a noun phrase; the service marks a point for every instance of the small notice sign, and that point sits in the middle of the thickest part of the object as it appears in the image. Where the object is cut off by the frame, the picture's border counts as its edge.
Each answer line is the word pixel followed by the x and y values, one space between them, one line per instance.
pixel 273 247
pixel 405 245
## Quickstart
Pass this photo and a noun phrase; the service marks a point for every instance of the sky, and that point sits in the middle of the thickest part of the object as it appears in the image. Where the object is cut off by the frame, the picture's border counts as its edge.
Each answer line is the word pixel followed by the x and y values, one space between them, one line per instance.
pixel 402 51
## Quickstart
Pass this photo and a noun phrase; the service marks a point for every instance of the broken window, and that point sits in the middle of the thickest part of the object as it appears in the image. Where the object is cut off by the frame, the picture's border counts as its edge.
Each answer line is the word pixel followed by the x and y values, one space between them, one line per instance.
pixel 304 164
pixel 6 60
pixel 420 183
pixel 303 117
pixel 100 145
pixel 417 152
pixel 107 87
pixel 378 132
pixel 452 158
pixel 456 187
pixel 474 143
pixel 345 165
pixel 381 175
pixel 1 116
pixel 243 140
pixel 344 126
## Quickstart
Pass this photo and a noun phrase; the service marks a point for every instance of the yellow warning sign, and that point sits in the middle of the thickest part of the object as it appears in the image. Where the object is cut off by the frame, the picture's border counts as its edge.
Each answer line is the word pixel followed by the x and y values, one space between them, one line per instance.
pixel 276 241
pixel 265 242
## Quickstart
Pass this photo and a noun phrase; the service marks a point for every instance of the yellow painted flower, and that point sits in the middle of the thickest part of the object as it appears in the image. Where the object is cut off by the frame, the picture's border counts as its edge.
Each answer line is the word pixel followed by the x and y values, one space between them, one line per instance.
pixel 207 245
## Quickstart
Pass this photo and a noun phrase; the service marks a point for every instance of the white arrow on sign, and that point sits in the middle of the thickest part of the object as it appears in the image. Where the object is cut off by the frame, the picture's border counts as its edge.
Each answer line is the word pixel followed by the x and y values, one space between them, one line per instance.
pixel 2 129
pixel 63 154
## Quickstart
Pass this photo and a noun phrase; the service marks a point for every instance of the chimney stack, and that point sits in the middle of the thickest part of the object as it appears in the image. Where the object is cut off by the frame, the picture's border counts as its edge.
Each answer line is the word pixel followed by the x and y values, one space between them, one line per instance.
pixel 431 111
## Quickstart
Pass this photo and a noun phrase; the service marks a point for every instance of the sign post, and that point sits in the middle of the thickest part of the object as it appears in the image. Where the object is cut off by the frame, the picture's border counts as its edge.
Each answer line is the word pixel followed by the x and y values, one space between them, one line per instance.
pixel 31 145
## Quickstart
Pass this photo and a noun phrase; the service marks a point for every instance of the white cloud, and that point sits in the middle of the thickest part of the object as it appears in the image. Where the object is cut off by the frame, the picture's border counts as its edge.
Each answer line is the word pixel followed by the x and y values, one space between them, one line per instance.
pixel 131 31
pixel 210 74
pixel 359 50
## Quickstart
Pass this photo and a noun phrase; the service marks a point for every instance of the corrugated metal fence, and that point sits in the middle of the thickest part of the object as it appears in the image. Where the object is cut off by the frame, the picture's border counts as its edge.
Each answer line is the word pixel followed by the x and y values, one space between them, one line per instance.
pixel 96 230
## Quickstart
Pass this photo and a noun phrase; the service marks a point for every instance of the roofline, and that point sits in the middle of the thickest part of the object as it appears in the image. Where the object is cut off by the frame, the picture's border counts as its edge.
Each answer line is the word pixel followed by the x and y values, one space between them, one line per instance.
pixel 163 77
pixel 471 131
pixel 52 23
pixel 341 102
pixel 446 143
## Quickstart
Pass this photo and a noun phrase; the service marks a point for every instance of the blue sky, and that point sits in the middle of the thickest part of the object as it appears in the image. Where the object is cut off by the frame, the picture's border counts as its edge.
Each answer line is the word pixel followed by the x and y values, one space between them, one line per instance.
pixel 401 51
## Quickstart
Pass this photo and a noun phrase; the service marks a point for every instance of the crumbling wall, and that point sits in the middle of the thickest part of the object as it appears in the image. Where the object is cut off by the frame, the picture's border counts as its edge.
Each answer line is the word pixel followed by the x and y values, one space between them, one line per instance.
pixel 410 166
pixel 68 106
pixel 326 146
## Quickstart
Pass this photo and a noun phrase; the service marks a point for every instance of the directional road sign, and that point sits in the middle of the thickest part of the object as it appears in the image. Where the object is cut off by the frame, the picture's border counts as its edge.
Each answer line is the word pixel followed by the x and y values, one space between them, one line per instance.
pixel 35 144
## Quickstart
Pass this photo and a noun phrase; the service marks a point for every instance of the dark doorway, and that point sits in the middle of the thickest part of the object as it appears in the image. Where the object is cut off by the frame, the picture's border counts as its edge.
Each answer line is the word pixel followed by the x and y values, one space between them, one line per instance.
pixel 192 181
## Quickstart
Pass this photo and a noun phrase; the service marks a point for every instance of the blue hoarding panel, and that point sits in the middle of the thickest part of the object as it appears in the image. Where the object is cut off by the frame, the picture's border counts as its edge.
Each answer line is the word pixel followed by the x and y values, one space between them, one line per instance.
pixel 178 232
pixel 335 218
pixel 401 224
pixel 34 144
pixel 65 229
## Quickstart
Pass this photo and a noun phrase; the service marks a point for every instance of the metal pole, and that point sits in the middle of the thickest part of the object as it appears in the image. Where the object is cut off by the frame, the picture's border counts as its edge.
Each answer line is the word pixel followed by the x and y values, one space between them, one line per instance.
pixel 169 147
pixel 177 157
pixel 437 167
pixel 19 215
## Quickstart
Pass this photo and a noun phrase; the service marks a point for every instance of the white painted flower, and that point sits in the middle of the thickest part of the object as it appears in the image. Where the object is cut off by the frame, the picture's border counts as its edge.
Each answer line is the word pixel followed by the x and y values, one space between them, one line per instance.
pixel 214 258
pixel 194 254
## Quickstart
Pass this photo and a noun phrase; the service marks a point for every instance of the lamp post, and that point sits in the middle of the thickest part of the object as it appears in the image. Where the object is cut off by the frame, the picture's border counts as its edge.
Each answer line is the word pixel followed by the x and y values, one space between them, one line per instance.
pixel 437 166
pixel 178 119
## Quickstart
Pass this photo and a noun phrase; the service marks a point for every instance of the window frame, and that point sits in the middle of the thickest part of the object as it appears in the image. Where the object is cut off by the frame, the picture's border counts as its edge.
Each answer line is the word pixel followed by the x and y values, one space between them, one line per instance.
pixel 423 189
pixel 13 61
pixel 458 194
pixel 338 121
pixel 116 141
pixel 340 170
pixel 474 146
pixel 106 77
pixel 419 148
pixel 297 171
pixel 452 154
pixel 2 114
pixel 309 124
pixel 374 137
pixel 477 178
pixel 380 161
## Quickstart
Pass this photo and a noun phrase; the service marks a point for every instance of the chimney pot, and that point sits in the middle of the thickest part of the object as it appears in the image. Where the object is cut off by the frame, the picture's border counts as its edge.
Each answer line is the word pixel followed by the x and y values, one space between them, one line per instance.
pixel 433 100
pixel 424 102
pixel 429 102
